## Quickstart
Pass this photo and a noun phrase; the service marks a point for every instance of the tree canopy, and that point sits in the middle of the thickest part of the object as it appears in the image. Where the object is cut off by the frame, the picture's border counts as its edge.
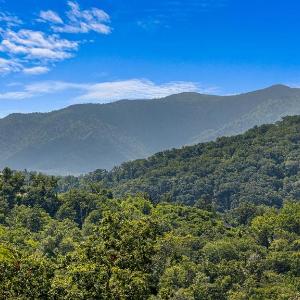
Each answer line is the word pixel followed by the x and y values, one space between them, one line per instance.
pixel 214 221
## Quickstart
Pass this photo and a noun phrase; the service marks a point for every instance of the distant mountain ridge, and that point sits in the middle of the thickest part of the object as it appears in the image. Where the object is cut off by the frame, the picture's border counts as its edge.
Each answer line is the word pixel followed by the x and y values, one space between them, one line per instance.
pixel 85 137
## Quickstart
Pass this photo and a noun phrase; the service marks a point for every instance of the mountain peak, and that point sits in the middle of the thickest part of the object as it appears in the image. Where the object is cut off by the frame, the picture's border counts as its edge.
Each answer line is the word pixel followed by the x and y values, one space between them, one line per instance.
pixel 279 87
pixel 275 90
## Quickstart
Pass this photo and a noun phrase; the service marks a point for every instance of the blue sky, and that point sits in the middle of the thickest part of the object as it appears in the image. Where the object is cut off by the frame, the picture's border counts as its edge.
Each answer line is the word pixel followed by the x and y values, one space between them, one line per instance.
pixel 54 53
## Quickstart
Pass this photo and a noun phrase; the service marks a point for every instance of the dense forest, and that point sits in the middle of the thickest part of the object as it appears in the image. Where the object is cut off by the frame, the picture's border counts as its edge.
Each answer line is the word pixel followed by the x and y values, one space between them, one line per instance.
pixel 219 220
pixel 261 166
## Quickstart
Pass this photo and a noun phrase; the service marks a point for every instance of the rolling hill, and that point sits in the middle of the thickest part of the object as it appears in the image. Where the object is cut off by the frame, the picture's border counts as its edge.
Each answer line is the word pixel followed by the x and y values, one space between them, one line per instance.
pixel 260 167
pixel 82 138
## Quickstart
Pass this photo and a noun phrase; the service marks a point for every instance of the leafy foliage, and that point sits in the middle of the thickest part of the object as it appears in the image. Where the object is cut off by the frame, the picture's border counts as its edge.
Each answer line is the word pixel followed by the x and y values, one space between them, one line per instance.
pixel 97 247
pixel 259 167
pixel 70 238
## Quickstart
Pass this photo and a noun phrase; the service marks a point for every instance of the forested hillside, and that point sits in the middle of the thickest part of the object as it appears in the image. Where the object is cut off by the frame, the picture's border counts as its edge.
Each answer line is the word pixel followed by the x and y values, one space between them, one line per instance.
pixel 219 220
pixel 261 166
pixel 82 138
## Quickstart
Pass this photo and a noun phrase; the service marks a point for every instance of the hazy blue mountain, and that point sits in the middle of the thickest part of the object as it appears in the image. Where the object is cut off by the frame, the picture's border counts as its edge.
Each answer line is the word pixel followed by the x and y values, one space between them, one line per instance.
pixel 82 138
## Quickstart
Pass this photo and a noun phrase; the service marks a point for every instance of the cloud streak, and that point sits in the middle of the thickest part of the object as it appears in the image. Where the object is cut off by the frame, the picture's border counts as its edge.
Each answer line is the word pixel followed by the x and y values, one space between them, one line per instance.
pixel 106 92
pixel 50 16
pixel 134 89
pixel 36 70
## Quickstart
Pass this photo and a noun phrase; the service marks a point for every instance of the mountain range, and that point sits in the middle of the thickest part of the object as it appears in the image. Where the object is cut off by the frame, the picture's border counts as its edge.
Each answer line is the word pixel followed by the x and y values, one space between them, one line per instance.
pixel 85 137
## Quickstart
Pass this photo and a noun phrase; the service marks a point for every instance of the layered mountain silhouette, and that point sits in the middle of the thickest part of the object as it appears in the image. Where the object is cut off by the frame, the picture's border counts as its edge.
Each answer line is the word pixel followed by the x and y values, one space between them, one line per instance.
pixel 82 138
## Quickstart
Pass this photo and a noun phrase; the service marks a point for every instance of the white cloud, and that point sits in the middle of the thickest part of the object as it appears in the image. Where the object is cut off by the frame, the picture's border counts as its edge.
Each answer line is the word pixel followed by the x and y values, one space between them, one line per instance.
pixel 106 92
pixel 14 96
pixel 50 16
pixel 51 87
pixel 41 88
pixel 134 89
pixel 24 48
pixel 9 19
pixel 84 21
pixel 36 45
pixel 9 65
pixel 36 70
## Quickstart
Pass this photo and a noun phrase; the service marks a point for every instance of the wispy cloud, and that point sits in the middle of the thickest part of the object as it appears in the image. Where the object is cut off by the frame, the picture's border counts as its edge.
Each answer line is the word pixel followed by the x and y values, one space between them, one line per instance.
pixel 14 95
pixel 36 70
pixel 33 51
pixel 105 92
pixel 40 88
pixel 36 45
pixel 134 89
pixel 78 21
pixel 9 65
pixel 9 20
pixel 50 16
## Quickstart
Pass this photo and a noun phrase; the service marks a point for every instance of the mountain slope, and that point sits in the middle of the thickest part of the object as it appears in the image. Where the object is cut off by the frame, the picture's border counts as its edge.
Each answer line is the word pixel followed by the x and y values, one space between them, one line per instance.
pixel 82 138
pixel 261 167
